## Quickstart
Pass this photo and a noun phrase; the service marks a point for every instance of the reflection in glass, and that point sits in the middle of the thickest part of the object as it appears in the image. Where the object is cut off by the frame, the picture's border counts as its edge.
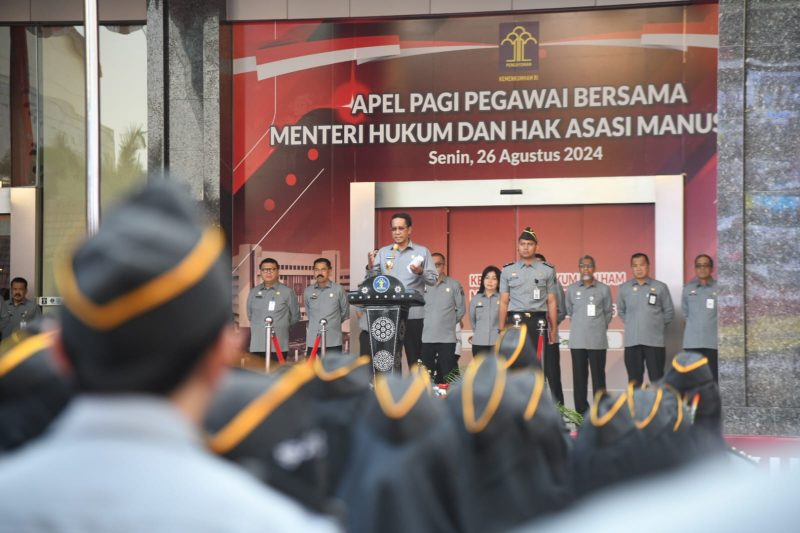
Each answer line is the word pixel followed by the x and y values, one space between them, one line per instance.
pixel 18 99
pixel 123 110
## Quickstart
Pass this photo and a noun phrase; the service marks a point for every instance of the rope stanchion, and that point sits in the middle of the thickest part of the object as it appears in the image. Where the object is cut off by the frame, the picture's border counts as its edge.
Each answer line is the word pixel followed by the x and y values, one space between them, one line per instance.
pixel 313 354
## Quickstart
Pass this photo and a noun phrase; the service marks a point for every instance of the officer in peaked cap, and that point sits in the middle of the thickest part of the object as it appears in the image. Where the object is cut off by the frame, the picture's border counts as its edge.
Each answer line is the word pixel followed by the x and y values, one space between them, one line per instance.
pixel 32 391
pixel 146 334
pixel 517 450
pixel 528 288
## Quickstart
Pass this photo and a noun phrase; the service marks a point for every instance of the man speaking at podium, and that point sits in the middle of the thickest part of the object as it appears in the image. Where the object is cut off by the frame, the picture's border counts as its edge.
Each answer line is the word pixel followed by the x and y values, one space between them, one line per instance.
pixel 412 264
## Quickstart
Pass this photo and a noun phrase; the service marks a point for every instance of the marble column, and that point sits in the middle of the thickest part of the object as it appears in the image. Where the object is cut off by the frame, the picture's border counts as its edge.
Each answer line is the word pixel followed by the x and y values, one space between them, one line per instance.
pixel 188 53
pixel 758 215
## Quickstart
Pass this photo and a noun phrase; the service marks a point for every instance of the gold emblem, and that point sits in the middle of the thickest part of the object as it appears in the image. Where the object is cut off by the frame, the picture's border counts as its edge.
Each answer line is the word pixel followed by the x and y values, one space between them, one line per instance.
pixel 518 38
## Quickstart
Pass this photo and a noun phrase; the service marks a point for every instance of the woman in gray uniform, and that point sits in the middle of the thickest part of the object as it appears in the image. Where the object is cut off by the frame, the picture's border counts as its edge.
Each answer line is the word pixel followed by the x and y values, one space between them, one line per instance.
pixel 483 311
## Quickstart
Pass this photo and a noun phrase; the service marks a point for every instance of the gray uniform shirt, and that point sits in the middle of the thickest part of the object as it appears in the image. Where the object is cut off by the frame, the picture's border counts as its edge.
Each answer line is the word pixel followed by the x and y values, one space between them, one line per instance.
pixel 444 307
pixel 645 321
pixel 528 285
pixel 279 302
pixel 589 332
pixel 329 303
pixel 400 261
pixel 700 309
pixel 145 467
pixel 11 315
pixel 483 315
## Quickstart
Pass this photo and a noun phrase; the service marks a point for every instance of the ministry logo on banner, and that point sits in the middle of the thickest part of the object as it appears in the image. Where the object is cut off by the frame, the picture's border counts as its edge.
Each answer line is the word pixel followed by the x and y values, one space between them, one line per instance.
pixel 519 47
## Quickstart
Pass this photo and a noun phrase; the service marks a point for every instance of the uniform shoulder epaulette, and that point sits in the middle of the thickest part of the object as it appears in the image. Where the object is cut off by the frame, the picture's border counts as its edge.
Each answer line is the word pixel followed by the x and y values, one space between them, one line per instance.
pixel 509 264
pixel 549 264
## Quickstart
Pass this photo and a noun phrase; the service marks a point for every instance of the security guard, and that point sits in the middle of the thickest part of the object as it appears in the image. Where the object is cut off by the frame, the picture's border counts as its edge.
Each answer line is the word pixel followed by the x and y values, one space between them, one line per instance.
pixel 700 309
pixel 444 309
pixel 412 264
pixel 271 298
pixel 528 288
pixel 645 306
pixel 325 299
pixel 590 307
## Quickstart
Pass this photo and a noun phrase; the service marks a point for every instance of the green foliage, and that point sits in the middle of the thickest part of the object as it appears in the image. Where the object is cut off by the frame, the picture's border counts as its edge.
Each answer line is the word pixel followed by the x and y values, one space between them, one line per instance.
pixel 571 416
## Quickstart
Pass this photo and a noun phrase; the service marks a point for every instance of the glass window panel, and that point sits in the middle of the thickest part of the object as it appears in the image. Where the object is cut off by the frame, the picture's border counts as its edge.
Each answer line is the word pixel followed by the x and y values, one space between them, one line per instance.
pixel 63 119
pixel 123 110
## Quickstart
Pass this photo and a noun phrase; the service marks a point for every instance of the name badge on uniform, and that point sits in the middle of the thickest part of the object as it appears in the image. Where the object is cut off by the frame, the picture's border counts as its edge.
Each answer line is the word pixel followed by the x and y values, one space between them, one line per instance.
pixel 651 299
pixel 537 294
pixel 709 303
pixel 314 296
pixel 479 304
pixel 591 310
pixel 259 295
pixel 271 306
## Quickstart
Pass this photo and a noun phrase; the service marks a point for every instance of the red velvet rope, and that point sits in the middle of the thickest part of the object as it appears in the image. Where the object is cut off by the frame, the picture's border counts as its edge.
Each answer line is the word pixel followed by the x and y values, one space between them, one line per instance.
pixel 314 349
pixel 278 351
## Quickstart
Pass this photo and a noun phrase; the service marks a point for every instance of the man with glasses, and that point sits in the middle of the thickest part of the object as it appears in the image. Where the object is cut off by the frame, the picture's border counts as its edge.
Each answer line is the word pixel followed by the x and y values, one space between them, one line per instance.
pixel 444 308
pixel 271 298
pixel 589 306
pixel 699 301
pixel 645 306
pixel 325 299
pixel 412 264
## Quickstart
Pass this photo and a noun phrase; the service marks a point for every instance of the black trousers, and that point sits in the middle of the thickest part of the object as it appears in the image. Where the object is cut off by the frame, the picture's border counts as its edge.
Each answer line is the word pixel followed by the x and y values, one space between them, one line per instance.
pixel 713 359
pixel 582 362
pixel 551 356
pixel 481 349
pixel 363 342
pixel 440 359
pixel 637 356
pixel 412 342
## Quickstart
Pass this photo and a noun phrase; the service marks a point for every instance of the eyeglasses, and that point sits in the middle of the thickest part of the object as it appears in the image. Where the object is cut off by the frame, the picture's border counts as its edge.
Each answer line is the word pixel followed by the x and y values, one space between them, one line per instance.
pixel 269 270
pixel 585 265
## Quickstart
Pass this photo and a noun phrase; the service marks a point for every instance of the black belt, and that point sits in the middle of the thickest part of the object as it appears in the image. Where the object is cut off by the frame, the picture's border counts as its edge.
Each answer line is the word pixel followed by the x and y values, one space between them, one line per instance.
pixel 528 314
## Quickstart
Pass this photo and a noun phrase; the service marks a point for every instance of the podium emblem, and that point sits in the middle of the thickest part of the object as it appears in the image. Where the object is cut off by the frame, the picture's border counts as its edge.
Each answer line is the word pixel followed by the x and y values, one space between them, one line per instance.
pixel 383 329
pixel 383 361
pixel 380 284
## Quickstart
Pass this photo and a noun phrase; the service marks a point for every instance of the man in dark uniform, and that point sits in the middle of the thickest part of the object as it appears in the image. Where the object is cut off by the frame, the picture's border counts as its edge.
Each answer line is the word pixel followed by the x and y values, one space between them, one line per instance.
pixel 528 288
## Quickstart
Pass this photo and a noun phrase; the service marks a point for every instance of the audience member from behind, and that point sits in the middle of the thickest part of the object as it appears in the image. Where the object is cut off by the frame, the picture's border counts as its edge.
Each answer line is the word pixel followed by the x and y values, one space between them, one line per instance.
pixel 32 391
pixel 691 376
pixel 145 332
